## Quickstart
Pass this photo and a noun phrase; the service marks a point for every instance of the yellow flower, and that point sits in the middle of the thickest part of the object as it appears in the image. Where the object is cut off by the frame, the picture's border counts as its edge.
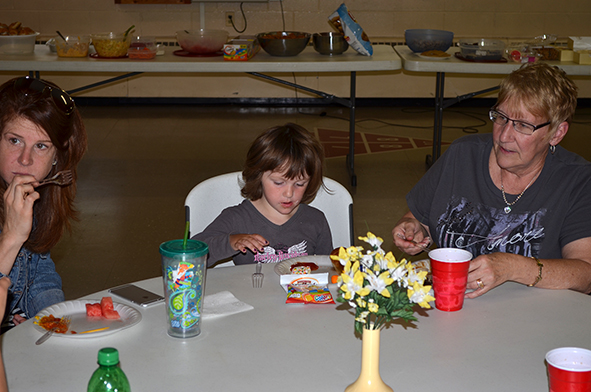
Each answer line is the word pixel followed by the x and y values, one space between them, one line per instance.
pixel 353 282
pixel 373 307
pixel 361 302
pixel 371 239
pixel 419 294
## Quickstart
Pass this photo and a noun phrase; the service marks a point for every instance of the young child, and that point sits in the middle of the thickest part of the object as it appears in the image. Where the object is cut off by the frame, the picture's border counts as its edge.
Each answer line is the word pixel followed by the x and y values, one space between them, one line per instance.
pixel 283 172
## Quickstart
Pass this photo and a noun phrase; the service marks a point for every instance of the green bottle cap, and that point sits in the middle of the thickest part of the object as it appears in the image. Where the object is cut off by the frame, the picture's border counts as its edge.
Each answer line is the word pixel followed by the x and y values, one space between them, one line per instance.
pixel 108 356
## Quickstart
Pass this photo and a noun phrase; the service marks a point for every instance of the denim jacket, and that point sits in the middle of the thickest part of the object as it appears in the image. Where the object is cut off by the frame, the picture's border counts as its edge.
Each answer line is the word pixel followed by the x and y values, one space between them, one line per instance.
pixel 35 284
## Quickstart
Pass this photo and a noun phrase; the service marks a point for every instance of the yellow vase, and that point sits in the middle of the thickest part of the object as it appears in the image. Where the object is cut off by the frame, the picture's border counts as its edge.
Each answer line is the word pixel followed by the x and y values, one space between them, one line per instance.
pixel 370 380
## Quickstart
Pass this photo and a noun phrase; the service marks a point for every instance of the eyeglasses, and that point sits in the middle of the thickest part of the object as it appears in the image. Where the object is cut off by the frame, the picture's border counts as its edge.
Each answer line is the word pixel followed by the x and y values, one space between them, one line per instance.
pixel 60 98
pixel 519 126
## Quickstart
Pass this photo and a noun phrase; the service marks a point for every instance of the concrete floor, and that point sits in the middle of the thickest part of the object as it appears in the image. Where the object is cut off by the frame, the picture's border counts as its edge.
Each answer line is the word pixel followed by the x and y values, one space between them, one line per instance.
pixel 143 160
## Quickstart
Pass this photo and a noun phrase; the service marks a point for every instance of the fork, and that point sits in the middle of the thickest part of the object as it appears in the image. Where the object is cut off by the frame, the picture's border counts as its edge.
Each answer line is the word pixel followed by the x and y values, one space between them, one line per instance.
pixel 257 277
pixel 65 321
pixel 64 177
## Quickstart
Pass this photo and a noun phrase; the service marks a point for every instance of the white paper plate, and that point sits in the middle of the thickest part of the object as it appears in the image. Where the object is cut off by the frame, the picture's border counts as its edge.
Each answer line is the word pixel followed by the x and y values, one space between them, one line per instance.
pixel 323 262
pixel 80 323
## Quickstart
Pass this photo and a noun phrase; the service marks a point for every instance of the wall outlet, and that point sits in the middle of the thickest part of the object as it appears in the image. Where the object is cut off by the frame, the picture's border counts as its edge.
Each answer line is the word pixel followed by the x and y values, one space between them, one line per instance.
pixel 229 18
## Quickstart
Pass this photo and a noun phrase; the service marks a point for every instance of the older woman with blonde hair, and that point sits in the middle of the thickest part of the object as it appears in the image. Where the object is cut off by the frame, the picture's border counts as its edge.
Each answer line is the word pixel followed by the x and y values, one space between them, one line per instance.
pixel 515 199
pixel 41 133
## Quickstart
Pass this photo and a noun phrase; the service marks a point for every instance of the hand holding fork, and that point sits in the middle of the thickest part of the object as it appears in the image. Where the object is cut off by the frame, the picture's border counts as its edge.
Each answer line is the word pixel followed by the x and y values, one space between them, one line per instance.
pixel 64 177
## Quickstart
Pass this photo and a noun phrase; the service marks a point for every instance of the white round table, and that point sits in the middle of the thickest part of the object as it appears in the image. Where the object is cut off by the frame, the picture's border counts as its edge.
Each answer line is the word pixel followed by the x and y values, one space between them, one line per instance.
pixel 495 343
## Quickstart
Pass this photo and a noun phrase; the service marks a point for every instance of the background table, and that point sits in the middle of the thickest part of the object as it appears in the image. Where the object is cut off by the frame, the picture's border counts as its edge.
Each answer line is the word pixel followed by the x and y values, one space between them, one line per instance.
pixel 384 59
pixel 412 62
pixel 496 343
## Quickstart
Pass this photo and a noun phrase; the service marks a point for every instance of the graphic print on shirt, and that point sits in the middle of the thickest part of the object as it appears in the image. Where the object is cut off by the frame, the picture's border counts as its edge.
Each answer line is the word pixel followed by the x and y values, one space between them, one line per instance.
pixel 280 252
pixel 481 229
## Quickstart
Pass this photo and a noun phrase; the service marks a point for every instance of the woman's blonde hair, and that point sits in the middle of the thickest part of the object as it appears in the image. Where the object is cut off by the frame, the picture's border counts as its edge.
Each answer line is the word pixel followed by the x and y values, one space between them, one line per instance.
pixel 544 90
pixel 288 147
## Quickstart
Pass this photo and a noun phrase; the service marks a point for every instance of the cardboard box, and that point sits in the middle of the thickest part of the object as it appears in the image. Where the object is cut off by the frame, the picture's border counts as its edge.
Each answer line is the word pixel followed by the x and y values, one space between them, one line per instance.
pixel 567 55
pixel 241 48
pixel 583 57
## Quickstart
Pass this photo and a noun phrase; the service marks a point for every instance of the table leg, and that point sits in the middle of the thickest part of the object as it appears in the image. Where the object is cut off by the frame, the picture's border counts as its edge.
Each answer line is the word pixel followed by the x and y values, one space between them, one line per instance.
pixel 351 156
pixel 438 122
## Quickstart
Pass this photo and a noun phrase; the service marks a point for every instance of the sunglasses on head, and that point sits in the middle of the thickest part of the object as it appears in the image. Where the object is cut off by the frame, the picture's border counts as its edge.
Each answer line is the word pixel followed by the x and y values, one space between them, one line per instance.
pixel 60 98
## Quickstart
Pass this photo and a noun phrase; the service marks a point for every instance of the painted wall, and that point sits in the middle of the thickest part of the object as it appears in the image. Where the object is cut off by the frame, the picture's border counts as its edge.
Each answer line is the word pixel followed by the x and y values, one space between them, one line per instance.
pixel 383 21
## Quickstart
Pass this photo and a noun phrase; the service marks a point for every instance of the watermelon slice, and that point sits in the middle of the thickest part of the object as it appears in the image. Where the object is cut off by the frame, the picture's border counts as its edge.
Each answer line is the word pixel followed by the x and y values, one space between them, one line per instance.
pixel 93 310
pixel 107 309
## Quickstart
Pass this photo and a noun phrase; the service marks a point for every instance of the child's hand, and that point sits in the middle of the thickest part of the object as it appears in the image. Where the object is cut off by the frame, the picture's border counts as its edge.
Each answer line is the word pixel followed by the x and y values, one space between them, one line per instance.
pixel 254 242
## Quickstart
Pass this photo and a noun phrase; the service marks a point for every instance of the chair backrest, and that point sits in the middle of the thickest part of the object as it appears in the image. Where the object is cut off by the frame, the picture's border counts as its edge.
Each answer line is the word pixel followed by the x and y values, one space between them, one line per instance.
pixel 208 198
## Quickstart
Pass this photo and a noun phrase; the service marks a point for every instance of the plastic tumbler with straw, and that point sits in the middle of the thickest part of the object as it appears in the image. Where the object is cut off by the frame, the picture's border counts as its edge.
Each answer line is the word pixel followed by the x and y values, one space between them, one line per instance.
pixel 183 270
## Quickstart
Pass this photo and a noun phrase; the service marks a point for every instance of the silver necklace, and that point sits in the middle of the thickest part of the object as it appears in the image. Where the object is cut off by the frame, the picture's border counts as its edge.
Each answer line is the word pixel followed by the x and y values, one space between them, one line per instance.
pixel 507 208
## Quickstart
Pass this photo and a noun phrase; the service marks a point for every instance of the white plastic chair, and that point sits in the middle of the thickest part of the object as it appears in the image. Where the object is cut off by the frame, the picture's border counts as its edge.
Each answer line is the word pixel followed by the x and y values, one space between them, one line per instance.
pixel 208 198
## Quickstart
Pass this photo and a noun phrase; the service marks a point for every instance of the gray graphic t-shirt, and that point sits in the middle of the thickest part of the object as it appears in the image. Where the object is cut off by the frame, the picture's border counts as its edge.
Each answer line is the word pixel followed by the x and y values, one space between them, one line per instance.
pixel 464 209
pixel 306 233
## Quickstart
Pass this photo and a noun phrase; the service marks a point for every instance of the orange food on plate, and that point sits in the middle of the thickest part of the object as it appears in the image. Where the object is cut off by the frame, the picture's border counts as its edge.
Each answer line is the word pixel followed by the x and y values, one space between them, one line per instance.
pixel 312 266
pixel 50 322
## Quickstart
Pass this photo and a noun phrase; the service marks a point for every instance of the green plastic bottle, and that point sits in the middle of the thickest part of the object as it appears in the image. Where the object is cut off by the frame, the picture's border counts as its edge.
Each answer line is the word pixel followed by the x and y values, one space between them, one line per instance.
pixel 109 376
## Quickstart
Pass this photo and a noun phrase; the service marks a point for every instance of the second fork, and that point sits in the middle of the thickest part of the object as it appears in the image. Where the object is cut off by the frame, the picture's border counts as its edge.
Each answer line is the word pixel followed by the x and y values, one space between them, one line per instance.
pixel 257 277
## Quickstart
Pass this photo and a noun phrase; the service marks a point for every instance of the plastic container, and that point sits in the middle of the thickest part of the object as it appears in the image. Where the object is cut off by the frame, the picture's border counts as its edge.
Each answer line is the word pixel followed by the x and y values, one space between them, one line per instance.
pixel 17 44
pixel 111 45
pixel 142 48
pixel 423 40
pixel 183 270
pixel 73 46
pixel 108 376
pixel 202 41
pixel 482 49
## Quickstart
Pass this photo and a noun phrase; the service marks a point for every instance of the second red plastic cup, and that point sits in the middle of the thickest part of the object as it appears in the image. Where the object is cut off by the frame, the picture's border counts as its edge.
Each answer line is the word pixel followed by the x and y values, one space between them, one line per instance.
pixel 449 267
pixel 569 369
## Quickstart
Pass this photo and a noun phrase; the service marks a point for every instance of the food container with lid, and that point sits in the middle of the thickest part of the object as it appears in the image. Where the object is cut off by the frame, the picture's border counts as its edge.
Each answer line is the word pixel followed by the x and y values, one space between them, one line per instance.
pixel 482 49
pixel 142 48
pixel 17 44
pixel 111 45
pixel 72 46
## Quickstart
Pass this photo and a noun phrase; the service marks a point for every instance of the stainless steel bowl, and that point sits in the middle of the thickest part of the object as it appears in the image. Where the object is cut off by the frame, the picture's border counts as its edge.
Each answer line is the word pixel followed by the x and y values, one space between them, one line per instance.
pixel 330 43
pixel 283 43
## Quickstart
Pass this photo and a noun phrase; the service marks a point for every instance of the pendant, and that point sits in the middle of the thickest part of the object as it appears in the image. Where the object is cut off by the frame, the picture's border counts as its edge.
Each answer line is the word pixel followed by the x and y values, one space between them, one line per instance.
pixel 507 209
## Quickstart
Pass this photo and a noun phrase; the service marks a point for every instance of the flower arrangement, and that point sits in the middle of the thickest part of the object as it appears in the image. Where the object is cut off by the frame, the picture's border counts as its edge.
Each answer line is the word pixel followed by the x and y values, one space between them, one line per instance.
pixel 379 287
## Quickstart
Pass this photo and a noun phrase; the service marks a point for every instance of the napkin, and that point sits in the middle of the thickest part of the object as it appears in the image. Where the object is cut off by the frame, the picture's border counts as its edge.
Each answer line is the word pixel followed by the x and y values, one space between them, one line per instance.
pixel 222 304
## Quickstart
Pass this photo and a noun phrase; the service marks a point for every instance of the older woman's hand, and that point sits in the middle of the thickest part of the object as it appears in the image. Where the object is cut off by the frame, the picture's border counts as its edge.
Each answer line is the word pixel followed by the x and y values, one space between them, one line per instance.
pixel 19 198
pixel 410 236
pixel 489 271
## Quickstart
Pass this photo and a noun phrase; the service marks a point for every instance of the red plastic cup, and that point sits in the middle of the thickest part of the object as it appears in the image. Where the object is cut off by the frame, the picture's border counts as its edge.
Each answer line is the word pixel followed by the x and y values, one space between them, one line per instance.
pixel 449 267
pixel 569 369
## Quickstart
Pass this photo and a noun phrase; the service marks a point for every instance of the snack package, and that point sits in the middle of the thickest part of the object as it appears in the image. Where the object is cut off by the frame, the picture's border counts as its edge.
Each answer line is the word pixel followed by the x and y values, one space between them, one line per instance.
pixel 344 22
pixel 309 294
pixel 307 289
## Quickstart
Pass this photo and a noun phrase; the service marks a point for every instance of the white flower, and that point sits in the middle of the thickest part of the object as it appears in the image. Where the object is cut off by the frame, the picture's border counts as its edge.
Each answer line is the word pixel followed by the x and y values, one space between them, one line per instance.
pixel 380 283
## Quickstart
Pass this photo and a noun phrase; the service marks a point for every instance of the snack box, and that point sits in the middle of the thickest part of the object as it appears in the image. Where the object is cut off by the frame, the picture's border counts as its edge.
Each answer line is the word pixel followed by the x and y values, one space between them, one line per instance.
pixel 241 48
pixel 579 43
pixel 582 57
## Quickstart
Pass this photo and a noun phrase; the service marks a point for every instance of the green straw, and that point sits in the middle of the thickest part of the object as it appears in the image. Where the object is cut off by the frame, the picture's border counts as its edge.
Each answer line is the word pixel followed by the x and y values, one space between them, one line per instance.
pixel 187 223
